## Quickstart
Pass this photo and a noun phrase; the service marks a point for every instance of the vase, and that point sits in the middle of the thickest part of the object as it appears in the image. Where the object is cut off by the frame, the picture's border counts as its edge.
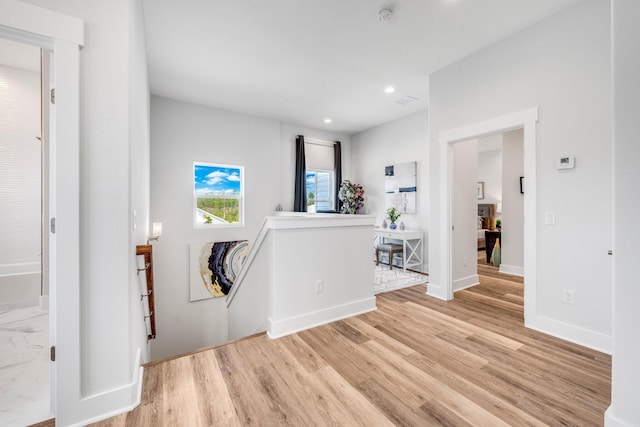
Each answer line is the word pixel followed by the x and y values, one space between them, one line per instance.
pixel 402 225
pixel 384 223
pixel 393 226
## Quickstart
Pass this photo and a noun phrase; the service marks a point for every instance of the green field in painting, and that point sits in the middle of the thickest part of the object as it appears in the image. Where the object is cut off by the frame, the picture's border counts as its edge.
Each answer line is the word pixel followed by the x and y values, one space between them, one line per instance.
pixel 224 208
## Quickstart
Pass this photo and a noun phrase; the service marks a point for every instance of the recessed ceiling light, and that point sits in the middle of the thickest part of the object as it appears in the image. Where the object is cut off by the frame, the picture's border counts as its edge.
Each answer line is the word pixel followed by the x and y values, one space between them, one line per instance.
pixel 389 89
pixel 327 120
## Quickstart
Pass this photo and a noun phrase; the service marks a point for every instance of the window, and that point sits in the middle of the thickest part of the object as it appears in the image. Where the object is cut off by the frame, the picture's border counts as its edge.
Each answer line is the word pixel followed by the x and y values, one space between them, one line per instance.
pixel 218 192
pixel 320 192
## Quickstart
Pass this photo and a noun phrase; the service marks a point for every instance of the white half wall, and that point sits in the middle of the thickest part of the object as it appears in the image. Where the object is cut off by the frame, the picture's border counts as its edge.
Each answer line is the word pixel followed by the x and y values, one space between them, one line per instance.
pixel 562 66
pixel 624 409
pixel 400 141
pixel 182 133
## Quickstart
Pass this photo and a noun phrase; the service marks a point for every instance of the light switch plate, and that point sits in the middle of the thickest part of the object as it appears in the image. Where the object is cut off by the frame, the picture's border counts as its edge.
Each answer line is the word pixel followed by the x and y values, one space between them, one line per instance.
pixel 549 218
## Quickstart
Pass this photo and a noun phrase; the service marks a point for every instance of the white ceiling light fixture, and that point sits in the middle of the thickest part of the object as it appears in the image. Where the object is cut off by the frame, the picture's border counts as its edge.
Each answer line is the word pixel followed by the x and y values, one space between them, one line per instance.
pixel 384 15
pixel 327 120
pixel 389 89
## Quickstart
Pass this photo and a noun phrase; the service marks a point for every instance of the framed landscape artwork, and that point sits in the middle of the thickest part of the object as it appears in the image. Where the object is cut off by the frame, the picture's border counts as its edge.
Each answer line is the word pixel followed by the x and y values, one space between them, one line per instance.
pixel 218 193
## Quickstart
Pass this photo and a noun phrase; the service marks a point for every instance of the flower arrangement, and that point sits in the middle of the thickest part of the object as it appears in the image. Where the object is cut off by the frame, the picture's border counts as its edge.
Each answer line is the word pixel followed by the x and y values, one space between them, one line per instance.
pixel 351 196
pixel 393 214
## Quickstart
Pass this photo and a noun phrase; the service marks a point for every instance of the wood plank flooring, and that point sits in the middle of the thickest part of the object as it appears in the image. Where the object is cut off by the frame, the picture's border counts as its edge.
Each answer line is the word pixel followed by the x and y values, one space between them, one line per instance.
pixel 416 361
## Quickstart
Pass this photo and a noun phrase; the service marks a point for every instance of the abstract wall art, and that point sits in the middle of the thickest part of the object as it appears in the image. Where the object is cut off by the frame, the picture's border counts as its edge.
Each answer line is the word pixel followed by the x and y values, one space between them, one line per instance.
pixel 400 187
pixel 214 267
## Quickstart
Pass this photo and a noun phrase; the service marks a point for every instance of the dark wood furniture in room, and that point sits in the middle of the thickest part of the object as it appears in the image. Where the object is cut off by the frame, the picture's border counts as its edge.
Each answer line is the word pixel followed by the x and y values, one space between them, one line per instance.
pixel 490 238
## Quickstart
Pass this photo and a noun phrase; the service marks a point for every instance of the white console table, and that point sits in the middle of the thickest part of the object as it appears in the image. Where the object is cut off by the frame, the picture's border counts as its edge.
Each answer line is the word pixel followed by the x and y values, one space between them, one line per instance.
pixel 412 244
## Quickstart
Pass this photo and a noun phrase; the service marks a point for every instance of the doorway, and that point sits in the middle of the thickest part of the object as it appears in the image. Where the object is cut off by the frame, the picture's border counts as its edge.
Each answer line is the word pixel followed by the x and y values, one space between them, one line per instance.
pixel 63 35
pixel 24 282
pixel 526 120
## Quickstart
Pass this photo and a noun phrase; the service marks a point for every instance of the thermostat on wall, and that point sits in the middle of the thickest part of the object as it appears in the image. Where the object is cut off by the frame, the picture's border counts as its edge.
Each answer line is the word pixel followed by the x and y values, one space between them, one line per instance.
pixel 566 162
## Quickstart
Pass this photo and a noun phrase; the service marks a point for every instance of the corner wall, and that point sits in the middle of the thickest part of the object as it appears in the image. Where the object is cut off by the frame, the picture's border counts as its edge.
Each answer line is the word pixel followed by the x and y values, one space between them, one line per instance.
pixel 624 409
pixel 402 140
pixel 464 204
pixel 512 240
pixel 560 65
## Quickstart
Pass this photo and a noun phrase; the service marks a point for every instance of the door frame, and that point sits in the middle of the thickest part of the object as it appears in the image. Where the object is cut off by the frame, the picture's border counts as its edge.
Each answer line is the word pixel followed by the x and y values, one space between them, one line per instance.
pixel 527 120
pixel 63 35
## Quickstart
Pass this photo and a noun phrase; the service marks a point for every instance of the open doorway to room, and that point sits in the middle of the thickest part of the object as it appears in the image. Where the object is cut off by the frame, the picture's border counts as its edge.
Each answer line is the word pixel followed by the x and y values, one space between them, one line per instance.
pixel 524 121
pixel 500 221
pixel 25 386
pixel 485 185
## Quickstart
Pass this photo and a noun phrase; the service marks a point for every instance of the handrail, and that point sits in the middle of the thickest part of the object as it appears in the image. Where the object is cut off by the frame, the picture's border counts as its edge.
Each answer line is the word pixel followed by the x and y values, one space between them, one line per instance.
pixel 262 233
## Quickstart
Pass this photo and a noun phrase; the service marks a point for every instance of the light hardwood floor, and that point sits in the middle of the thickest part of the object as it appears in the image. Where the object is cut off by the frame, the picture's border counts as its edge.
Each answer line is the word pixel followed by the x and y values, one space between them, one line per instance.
pixel 416 361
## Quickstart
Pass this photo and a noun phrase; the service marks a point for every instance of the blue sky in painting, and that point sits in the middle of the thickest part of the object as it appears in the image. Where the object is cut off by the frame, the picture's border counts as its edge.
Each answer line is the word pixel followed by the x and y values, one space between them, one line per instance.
pixel 216 179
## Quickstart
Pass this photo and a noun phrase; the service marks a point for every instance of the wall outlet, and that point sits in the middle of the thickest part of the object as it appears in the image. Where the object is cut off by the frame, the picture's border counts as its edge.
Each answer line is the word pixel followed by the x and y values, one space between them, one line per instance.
pixel 567 296
pixel 319 286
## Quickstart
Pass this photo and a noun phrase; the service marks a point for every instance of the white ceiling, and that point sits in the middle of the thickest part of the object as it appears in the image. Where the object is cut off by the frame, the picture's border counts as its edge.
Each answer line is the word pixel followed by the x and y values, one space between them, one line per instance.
pixel 301 61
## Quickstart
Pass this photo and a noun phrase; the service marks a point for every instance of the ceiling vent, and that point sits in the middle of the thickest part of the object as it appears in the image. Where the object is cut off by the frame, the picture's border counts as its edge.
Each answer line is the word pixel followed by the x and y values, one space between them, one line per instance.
pixel 406 99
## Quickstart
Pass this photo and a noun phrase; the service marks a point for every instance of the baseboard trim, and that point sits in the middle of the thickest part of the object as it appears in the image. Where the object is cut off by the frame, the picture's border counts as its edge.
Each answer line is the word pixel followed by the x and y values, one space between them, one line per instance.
pixel 585 337
pixel 291 325
pixel 113 402
pixel 610 420
pixel 466 282
pixel 512 269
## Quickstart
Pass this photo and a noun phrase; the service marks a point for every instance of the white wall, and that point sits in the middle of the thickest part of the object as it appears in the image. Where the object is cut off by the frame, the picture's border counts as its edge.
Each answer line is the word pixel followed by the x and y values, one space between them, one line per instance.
pixel 182 133
pixel 464 242
pixel 624 409
pixel 400 141
pixel 20 154
pixel 288 134
pixel 562 66
pixel 512 237
pixel 140 186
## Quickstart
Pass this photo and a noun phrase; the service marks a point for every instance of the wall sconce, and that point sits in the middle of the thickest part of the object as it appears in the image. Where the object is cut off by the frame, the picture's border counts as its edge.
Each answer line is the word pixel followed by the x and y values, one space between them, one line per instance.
pixel 157 231
pixel 499 207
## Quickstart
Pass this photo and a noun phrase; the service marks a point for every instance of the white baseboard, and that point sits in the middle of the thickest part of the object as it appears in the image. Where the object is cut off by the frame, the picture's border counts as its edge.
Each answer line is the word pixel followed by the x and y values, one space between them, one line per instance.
pixel 610 419
pixel 512 269
pixel 282 327
pixel 585 337
pixel 434 290
pixel 19 269
pixel 465 282
pixel 113 402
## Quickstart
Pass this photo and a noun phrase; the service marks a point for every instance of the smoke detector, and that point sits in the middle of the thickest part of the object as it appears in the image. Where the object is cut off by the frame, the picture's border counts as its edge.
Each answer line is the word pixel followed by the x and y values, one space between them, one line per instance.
pixel 384 15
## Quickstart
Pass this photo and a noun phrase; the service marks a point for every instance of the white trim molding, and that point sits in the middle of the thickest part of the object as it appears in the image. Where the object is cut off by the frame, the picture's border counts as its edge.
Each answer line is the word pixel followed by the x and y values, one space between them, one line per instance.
pixel 514 270
pixel 574 334
pixel 283 327
pixel 466 282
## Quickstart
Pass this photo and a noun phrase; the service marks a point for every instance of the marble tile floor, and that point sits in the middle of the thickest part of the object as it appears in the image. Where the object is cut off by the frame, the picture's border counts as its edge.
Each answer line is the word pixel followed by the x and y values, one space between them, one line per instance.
pixel 24 366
